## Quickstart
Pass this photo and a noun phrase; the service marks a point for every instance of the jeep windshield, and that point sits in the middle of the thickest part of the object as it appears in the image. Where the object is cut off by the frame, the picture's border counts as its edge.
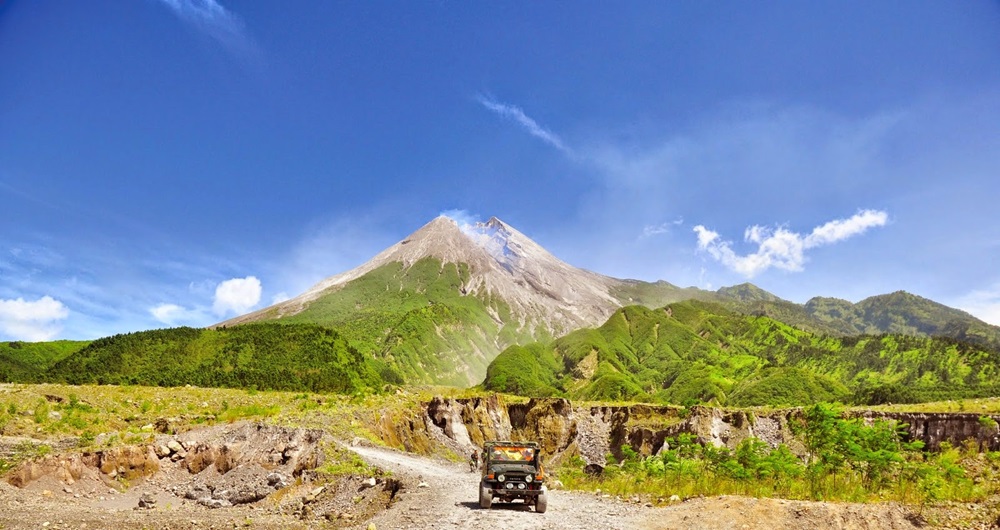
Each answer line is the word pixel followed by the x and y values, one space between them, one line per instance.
pixel 512 454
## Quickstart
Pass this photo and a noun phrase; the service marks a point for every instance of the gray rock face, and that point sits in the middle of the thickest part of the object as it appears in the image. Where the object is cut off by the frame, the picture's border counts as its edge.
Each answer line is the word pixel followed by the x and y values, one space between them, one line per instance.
pixel 955 428
pixel 594 432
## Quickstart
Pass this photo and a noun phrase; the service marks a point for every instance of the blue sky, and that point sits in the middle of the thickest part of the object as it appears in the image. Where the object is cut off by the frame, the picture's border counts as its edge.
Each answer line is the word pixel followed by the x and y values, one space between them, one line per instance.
pixel 177 162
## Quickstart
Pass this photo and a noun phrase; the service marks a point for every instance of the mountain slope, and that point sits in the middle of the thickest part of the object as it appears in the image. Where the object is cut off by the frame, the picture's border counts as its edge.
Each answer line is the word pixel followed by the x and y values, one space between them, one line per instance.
pixel 909 314
pixel 26 361
pixel 260 355
pixel 697 351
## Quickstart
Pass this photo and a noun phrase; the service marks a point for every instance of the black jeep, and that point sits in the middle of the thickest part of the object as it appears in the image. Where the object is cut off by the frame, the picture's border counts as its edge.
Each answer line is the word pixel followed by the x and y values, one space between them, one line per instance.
pixel 513 470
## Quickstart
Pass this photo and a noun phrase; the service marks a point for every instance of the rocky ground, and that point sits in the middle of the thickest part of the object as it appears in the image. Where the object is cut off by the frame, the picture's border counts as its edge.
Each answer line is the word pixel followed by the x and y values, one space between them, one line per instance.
pixel 245 475
pixel 257 476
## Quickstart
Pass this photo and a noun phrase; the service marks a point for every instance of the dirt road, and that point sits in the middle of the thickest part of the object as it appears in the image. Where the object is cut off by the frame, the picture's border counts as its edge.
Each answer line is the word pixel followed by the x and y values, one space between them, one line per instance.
pixel 440 494
pixel 445 495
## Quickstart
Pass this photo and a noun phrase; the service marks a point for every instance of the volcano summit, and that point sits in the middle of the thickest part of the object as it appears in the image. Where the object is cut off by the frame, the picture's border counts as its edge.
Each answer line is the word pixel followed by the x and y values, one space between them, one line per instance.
pixel 451 297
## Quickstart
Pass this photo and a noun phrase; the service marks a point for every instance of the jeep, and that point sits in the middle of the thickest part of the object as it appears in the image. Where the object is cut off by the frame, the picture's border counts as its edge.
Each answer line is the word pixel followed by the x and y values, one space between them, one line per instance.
pixel 512 471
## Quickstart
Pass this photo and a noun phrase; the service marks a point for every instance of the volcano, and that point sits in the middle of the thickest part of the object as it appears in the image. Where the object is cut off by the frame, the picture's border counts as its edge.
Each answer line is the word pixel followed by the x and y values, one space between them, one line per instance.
pixel 445 300
pixel 442 303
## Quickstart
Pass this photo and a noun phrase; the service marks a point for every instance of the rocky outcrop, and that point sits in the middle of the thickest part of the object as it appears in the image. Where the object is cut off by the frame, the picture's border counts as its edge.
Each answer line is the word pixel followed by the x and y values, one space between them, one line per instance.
pixel 233 464
pixel 595 432
pixel 957 429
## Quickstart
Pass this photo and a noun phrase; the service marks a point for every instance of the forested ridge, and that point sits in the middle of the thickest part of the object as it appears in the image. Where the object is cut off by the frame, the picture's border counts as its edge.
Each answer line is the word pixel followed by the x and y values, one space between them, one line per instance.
pixel 260 355
pixel 696 351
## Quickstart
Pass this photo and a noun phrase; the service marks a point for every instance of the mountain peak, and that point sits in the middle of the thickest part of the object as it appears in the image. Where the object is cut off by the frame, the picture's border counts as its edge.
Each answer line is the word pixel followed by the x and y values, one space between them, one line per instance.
pixel 502 263
pixel 495 222
pixel 748 292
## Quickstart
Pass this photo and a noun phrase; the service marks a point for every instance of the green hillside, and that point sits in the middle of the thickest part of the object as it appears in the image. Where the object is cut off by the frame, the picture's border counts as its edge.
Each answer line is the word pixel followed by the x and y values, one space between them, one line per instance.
pixel 700 351
pixel 421 321
pixel 260 355
pixel 25 361
pixel 908 314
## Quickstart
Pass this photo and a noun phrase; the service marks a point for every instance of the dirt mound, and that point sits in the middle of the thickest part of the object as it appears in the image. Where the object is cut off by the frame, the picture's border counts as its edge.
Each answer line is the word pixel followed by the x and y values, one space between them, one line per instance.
pixel 222 476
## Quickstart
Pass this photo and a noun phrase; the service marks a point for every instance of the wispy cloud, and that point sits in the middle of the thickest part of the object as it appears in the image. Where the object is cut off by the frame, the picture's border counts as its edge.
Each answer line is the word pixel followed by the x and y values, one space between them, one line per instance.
pixel 466 221
pixel 173 315
pixel 983 303
pixel 462 217
pixel 506 110
pixel 32 320
pixel 662 228
pixel 214 20
pixel 781 248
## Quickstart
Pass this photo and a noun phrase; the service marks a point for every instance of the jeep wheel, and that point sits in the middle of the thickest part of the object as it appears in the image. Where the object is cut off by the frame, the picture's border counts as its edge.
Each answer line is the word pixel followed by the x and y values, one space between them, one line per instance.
pixel 541 503
pixel 485 497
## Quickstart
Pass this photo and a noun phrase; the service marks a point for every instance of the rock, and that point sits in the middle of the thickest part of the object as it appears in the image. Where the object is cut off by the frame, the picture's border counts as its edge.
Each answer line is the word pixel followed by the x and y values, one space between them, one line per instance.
pixel 214 503
pixel 162 451
pixel 369 483
pixel 277 480
pixel 162 426
pixel 175 446
pixel 147 501
pixel 675 498
pixel 422 485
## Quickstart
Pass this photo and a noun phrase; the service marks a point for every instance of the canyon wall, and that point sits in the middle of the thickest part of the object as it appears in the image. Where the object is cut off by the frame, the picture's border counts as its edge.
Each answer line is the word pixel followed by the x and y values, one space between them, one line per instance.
pixel 593 432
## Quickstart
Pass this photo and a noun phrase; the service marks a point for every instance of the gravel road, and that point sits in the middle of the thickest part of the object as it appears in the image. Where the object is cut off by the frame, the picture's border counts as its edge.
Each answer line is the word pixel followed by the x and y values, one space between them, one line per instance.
pixel 441 494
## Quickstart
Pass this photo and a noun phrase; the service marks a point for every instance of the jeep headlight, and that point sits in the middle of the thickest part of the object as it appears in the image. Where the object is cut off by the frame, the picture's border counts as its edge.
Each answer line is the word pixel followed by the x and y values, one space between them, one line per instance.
pixel 501 478
pixel 529 478
pixel 520 486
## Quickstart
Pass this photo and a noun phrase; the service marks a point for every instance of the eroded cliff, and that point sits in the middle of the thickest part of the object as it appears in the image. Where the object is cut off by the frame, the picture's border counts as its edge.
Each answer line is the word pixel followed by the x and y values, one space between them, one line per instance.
pixel 593 432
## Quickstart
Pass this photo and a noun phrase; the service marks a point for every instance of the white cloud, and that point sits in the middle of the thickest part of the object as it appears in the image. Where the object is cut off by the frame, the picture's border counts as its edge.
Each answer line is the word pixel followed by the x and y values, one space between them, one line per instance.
pixel 173 315
pixel 841 229
pixel 514 112
pixel 32 321
pixel 166 313
pixel 782 248
pixel 984 304
pixel 237 295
